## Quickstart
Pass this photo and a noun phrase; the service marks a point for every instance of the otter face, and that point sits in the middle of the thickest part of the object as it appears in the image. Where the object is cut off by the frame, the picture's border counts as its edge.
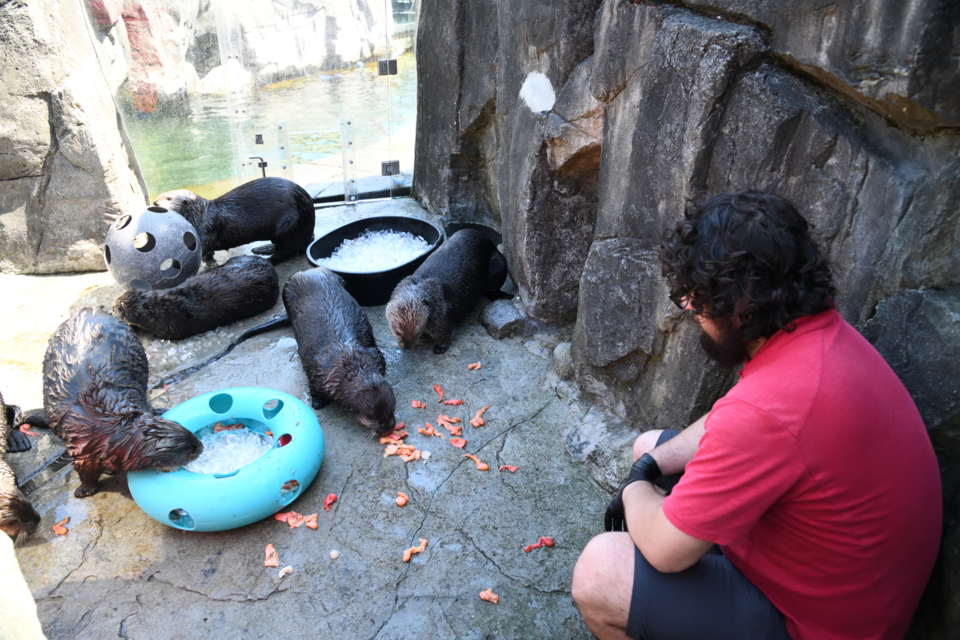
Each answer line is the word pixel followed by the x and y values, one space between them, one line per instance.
pixel 407 315
pixel 176 200
pixel 377 406
pixel 18 518
pixel 172 445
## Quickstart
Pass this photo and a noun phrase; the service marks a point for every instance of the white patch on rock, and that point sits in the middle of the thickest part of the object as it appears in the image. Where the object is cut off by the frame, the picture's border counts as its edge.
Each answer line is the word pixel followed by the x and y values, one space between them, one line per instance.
pixel 286 343
pixel 537 92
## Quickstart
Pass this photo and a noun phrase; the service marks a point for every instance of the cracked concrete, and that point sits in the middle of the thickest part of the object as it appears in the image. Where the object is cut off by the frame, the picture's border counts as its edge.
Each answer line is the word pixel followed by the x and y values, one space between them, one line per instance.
pixel 118 573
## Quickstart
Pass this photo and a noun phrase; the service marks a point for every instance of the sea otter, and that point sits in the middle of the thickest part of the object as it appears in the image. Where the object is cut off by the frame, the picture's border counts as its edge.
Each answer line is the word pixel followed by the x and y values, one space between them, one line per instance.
pixel 94 396
pixel 272 209
pixel 447 286
pixel 337 349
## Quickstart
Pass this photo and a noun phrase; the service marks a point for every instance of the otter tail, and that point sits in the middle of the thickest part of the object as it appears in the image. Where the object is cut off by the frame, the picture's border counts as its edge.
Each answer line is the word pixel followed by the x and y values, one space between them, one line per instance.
pixel 276 323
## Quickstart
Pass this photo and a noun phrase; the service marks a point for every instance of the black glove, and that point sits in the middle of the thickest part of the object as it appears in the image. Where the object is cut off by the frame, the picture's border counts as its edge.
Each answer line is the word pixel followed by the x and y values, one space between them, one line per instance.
pixel 645 469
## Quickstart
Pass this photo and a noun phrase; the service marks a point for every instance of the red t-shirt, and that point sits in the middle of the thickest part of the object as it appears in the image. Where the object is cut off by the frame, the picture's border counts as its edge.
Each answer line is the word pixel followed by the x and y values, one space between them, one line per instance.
pixel 816 475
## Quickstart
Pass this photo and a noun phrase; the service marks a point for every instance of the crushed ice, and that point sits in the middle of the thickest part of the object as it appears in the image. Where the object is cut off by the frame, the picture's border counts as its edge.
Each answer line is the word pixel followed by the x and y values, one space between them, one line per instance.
pixel 227 451
pixel 375 251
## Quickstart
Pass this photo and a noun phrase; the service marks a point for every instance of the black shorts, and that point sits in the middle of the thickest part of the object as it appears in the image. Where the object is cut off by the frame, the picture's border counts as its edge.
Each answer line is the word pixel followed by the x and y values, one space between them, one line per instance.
pixel 711 599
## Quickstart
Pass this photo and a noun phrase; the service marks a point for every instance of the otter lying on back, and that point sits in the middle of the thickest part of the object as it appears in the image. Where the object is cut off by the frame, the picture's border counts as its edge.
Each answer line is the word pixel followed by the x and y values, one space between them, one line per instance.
pixel 446 287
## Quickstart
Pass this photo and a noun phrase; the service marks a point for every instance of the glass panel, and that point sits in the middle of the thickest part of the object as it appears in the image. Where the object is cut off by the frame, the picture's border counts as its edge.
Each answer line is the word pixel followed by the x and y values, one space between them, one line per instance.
pixel 212 95
pixel 313 97
pixel 403 92
pixel 163 66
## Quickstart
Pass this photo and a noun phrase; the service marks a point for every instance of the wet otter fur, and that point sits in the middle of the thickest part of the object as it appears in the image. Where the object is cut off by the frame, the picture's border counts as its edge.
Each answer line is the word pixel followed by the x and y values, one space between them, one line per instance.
pixel 272 209
pixel 94 395
pixel 337 349
pixel 241 287
pixel 446 287
pixel 18 518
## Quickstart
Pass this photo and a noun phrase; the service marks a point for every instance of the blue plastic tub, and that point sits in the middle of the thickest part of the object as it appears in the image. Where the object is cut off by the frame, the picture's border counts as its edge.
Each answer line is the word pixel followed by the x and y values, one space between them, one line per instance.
pixel 215 502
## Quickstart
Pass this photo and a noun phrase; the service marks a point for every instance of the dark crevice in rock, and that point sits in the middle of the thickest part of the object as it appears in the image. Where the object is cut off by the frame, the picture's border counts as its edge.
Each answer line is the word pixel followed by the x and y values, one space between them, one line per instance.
pixel 872 311
pixel 132 161
pixel 122 631
pixel 715 386
pixel 902 113
pixel 377 631
pixel 82 624
pixel 514 426
pixel 322 605
pixel 529 584
pixel 241 597
pixel 37 221
pixel 426 512
pixel 907 203
pixel 500 570
pixel 616 91
pixel 460 8
pixel 340 495
pixel 446 618
pixel 830 149
pixel 186 372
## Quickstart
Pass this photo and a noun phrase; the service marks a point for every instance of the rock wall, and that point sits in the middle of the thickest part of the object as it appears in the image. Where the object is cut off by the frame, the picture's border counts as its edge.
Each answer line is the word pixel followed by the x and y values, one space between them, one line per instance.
pixel 66 168
pixel 850 110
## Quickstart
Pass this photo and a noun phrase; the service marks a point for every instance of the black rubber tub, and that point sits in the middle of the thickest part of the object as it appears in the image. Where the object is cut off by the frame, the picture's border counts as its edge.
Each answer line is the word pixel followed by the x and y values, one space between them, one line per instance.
pixel 372 289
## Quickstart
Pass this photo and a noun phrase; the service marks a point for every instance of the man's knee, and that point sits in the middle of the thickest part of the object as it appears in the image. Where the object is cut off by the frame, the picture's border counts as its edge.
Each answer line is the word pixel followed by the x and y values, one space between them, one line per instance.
pixel 604 571
pixel 588 570
pixel 645 443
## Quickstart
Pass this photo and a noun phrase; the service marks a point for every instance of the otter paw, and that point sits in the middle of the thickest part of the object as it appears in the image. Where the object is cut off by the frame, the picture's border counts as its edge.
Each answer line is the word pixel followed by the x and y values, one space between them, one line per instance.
pixel 17 442
pixel 318 404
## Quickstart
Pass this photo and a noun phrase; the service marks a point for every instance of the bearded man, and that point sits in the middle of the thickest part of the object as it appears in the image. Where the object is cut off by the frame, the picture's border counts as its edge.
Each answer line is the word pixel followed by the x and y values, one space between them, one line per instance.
pixel 806 504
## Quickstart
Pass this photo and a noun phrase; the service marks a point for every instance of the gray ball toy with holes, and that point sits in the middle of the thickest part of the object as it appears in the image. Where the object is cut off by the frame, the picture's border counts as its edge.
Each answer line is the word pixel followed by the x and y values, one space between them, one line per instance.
pixel 152 249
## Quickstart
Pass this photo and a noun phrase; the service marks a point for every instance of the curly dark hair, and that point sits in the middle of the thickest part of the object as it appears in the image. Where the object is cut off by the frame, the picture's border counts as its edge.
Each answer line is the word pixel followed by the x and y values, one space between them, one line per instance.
pixel 748 255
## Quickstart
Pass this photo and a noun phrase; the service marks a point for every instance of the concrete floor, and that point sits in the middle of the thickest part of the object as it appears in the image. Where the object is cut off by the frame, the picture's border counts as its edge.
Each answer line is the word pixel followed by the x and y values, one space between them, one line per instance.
pixel 118 573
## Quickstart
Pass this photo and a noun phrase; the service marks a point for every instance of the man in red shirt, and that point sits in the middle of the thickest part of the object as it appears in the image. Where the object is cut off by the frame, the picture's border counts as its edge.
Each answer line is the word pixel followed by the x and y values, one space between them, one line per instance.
pixel 814 474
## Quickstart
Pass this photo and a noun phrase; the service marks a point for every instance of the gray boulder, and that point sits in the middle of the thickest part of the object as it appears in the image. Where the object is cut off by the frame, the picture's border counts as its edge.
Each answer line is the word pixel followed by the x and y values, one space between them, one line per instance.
pixel 604 444
pixel 501 320
pixel 67 169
